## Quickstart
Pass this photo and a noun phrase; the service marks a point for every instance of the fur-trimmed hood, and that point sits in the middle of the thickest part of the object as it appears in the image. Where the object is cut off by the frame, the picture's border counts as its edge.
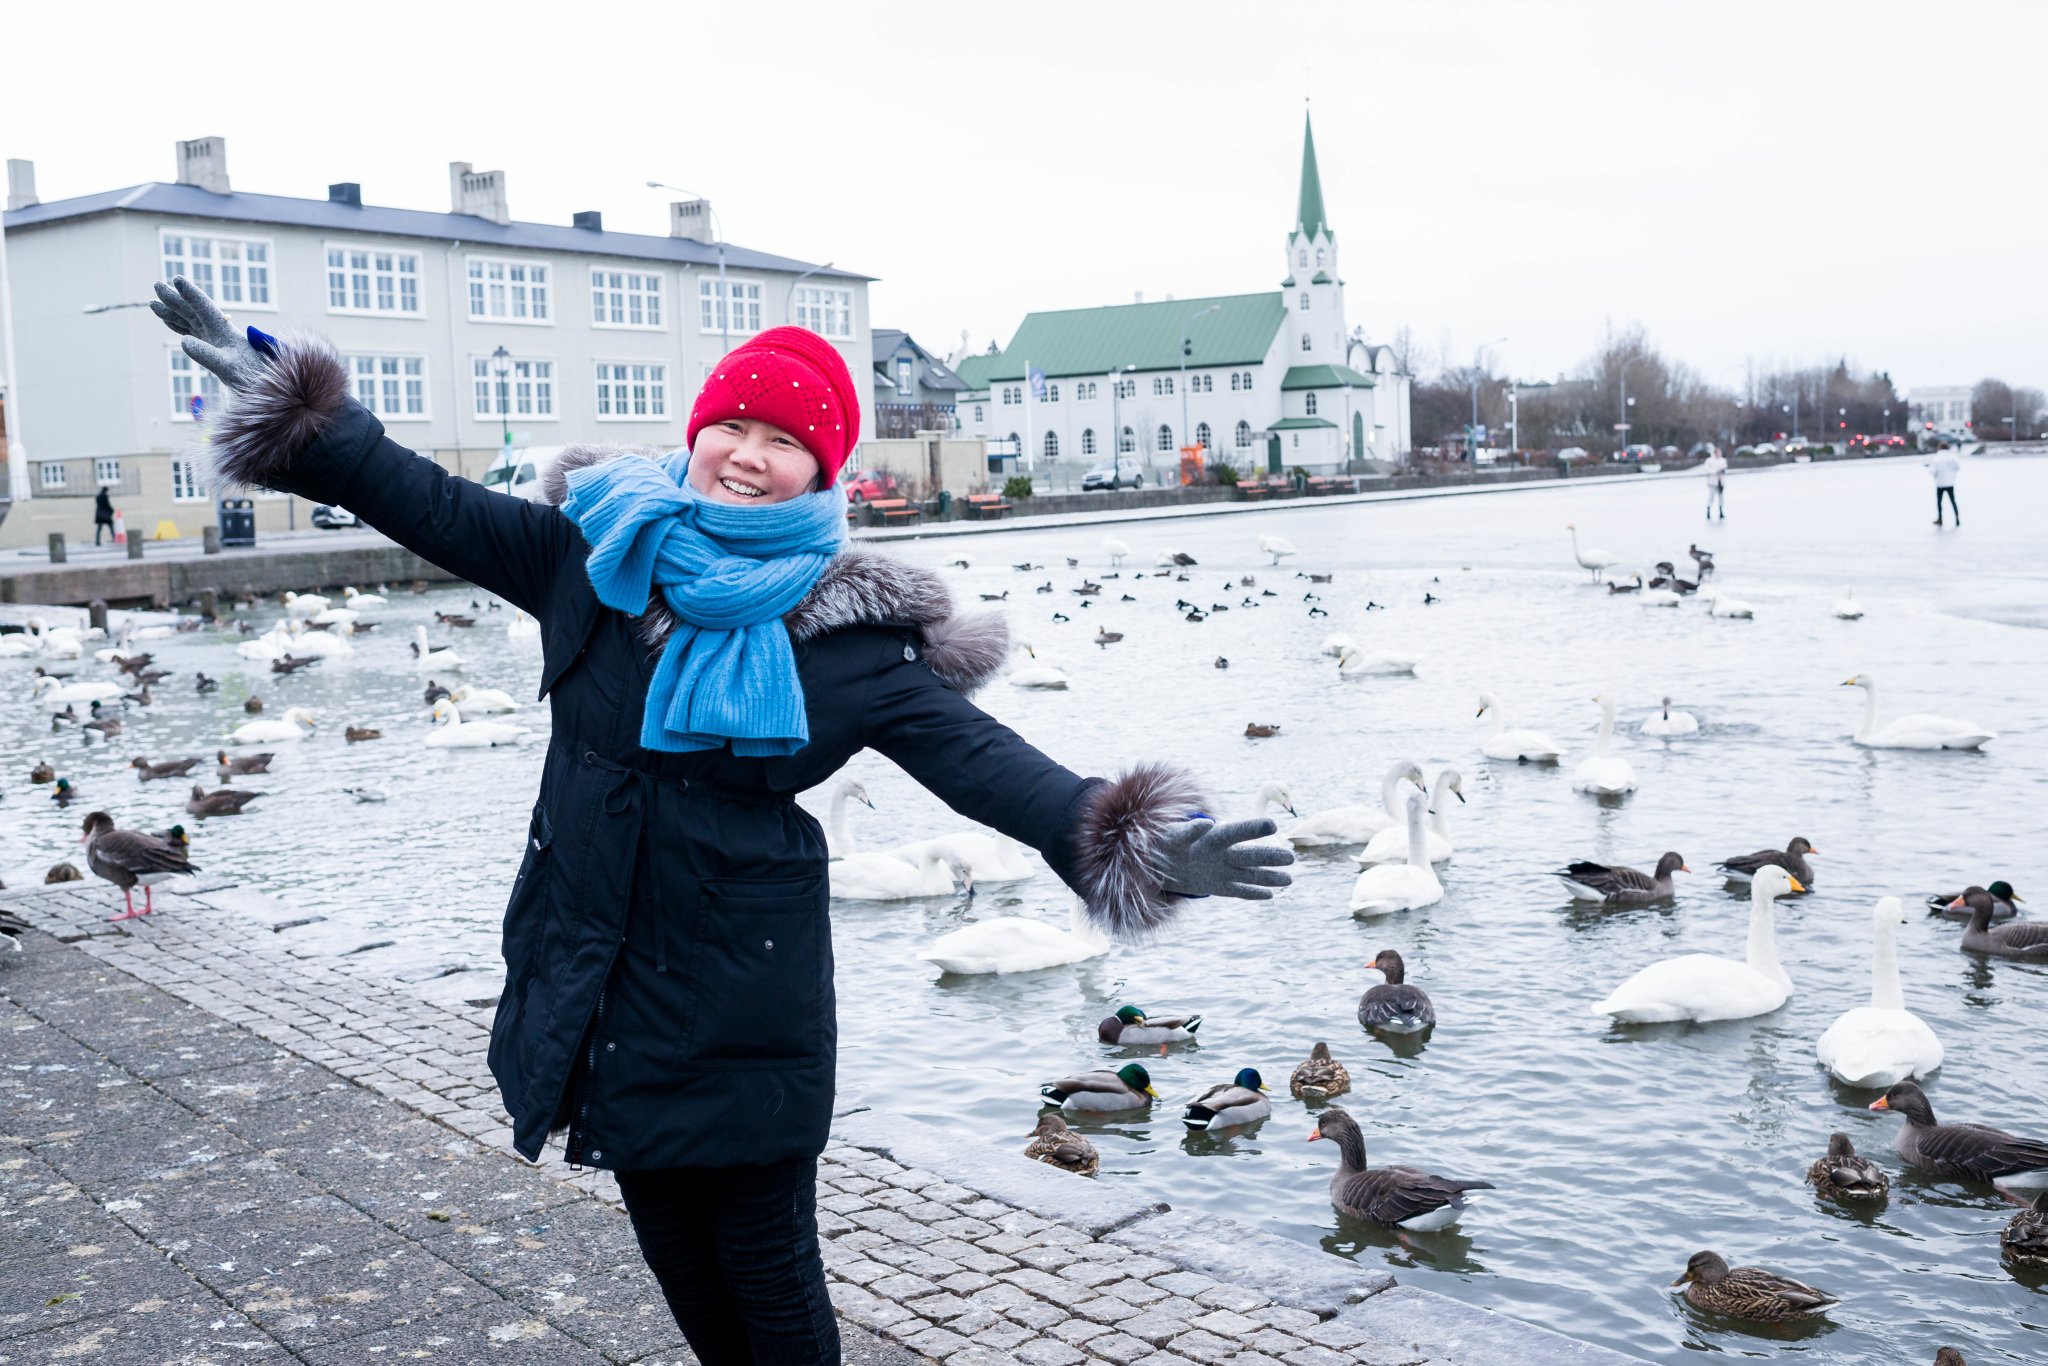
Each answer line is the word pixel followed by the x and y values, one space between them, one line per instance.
pixel 859 588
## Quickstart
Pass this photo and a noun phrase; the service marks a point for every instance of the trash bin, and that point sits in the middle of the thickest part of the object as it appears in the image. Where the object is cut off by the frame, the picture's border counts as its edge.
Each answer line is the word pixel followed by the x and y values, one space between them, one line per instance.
pixel 945 502
pixel 237 521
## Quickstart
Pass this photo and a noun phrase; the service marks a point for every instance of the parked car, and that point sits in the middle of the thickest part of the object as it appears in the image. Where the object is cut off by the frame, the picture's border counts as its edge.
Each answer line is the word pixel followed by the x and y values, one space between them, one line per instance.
pixel 862 485
pixel 1639 451
pixel 1571 453
pixel 1126 473
pixel 518 469
pixel 1667 453
pixel 333 517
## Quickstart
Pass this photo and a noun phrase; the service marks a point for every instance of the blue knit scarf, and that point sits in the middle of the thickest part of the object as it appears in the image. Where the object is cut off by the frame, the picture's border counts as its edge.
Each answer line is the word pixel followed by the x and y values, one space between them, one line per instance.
pixel 728 673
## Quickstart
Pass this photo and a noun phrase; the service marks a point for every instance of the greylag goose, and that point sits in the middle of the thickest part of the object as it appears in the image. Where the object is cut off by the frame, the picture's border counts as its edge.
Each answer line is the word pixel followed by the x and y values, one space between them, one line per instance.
pixel 1058 1146
pixel 128 858
pixel 2014 939
pixel 236 765
pixel 1743 867
pixel 1320 1077
pixel 170 768
pixel 435 692
pixel 1131 1027
pixel 10 926
pixel 1841 1175
pixel 1967 1152
pixel 1611 884
pixel 1241 1100
pixel 1395 1005
pixel 1405 1197
pixel 224 802
pixel 1127 1088
pixel 1750 1292
pixel 2025 1239
pixel 2005 904
pixel 106 727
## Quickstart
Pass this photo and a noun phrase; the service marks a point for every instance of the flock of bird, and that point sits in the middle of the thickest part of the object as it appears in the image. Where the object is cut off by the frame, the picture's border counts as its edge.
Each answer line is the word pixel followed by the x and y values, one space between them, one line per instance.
pixel 311 630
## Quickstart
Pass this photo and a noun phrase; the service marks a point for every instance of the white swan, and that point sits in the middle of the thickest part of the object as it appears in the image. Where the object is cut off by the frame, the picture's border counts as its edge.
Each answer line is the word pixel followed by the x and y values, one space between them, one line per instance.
pixel 22 644
pixel 304 604
pixel 1116 548
pixel 1269 796
pixel 358 601
pixel 322 644
pixel 268 732
pixel 1604 773
pixel 1882 1043
pixel 1026 672
pixel 993 856
pixel 63 642
pixel 1277 547
pixel 1014 943
pixel 838 834
pixel 426 656
pixel 1337 643
pixel 473 701
pixel 334 616
pixel 56 694
pixel 1659 597
pixel 877 877
pixel 1523 746
pixel 272 644
pixel 1596 560
pixel 1847 608
pixel 1357 824
pixel 453 732
pixel 1353 662
pixel 522 627
pixel 1390 846
pixel 1699 986
pixel 1913 732
pixel 1388 887
pixel 1719 604
pixel 1669 722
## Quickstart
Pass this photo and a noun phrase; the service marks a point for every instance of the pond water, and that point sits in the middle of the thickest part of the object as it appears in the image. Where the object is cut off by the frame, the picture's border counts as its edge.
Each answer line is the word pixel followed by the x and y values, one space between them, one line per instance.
pixel 1617 1152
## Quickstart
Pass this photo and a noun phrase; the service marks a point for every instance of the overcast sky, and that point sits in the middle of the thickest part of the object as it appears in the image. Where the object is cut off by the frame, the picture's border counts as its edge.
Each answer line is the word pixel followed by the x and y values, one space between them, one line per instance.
pixel 1788 181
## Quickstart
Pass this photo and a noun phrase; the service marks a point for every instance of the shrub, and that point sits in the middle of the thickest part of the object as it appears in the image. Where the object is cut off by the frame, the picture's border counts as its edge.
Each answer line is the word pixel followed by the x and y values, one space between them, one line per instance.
pixel 1226 475
pixel 1017 486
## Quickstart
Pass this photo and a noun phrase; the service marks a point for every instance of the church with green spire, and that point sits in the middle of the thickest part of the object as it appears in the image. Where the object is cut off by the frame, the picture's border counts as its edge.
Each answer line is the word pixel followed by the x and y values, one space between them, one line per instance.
pixel 1271 381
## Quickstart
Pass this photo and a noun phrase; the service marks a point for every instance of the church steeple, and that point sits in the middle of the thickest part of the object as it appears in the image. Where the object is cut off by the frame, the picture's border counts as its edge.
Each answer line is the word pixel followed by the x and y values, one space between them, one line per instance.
pixel 1309 219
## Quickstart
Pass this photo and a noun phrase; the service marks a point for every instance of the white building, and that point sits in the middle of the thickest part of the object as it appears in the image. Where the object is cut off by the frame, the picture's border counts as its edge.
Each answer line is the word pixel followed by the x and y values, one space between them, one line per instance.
pixel 1941 411
pixel 1265 381
pixel 460 327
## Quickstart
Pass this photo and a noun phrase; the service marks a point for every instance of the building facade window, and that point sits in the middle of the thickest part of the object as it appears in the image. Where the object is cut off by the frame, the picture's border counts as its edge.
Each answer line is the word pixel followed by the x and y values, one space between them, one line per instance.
pixel 1246 375
pixel 1084 392
pixel 827 312
pixel 508 291
pixel 1052 445
pixel 625 298
pixel 370 280
pixel 1304 341
pixel 1127 443
pixel 712 313
pixel 978 415
pixel 1244 434
pixel 192 387
pixel 1013 394
pixel 1310 405
pixel 52 475
pixel 526 389
pixel 106 470
pixel 1162 385
pixel 1087 441
pixel 1126 388
pixel 1303 259
pixel 1319 256
pixel 1205 383
pixel 632 393
pixel 186 486
pixel 393 387
pixel 1165 438
pixel 231 270
pixel 906 377
pixel 1304 301
pixel 1202 435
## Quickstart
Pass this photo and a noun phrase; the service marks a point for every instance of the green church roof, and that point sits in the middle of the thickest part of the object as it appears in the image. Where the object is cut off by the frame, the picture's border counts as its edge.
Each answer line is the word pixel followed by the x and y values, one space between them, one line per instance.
pixel 1322 277
pixel 1325 377
pixel 1094 341
pixel 1300 424
pixel 973 370
pixel 1309 217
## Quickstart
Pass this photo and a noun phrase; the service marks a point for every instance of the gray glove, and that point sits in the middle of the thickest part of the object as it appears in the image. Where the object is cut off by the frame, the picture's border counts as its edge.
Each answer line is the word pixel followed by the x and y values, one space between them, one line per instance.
pixel 1204 858
pixel 210 338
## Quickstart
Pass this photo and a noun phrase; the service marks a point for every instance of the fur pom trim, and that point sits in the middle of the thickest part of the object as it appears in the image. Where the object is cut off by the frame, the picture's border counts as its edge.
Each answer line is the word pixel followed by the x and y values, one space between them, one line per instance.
pixel 256 433
pixel 1119 860
pixel 967 650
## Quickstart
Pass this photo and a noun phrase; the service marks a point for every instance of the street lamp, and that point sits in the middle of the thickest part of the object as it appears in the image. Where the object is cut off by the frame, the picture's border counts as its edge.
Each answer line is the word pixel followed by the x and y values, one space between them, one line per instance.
pixel 1116 425
pixel 501 361
pixel 1472 435
pixel 1185 347
pixel 717 226
pixel 1623 426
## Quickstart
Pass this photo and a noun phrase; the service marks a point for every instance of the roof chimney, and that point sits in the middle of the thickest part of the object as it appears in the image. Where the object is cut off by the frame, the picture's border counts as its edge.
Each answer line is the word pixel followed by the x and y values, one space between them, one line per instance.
pixel 590 220
pixel 347 192
pixel 204 162
pixel 21 185
pixel 691 218
pixel 481 193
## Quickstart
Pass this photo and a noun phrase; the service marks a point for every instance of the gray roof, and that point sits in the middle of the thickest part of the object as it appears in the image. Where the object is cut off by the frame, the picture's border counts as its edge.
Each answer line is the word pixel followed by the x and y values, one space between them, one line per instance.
pixel 936 374
pixel 190 201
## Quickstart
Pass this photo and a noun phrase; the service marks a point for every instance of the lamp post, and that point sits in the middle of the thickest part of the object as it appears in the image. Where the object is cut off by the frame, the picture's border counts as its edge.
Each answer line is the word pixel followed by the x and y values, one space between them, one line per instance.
pixel 1472 435
pixel 1185 347
pixel 1116 425
pixel 789 304
pixel 501 362
pixel 1623 426
pixel 718 227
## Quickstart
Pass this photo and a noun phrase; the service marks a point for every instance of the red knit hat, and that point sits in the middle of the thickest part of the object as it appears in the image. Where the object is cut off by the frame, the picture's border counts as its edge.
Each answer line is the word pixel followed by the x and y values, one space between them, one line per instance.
pixel 793 378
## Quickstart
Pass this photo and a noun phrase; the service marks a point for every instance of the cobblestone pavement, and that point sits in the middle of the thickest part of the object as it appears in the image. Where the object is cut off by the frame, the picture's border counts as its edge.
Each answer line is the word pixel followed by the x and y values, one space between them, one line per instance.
pixel 217 1148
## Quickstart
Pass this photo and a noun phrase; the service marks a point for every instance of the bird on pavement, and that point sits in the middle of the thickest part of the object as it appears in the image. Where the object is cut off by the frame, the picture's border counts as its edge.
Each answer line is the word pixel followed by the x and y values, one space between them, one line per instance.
pixel 129 858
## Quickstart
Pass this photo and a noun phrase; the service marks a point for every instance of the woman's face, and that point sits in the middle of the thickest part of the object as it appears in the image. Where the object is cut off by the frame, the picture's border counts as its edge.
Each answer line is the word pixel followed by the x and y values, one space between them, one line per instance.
pixel 745 461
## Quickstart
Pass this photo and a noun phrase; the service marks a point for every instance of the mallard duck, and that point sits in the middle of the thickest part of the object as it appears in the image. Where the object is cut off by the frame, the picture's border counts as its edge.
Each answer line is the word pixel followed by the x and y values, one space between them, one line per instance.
pixel 1395 1005
pixel 1612 884
pixel 1749 1292
pixel 1407 1197
pixel 1127 1088
pixel 42 773
pixel 169 768
pixel 1058 1146
pixel 65 793
pixel 2014 939
pixel 128 858
pixel 225 801
pixel 1842 1175
pixel 2005 903
pixel 1131 1027
pixel 2025 1239
pixel 1966 1152
pixel 176 838
pixel 1793 860
pixel 1319 1078
pixel 1241 1100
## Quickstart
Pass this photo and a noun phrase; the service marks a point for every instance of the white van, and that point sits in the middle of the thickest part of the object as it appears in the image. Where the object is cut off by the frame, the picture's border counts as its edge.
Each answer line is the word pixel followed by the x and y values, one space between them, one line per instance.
pixel 518 469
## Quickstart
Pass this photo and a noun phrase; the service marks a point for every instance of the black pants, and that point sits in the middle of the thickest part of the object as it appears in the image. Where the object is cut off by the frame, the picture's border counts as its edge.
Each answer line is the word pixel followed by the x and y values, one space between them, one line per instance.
pixel 98 527
pixel 1950 490
pixel 736 1252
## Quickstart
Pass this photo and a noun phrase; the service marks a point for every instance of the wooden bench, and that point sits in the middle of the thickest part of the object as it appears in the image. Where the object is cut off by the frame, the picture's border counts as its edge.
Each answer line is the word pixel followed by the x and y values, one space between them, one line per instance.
pixel 1253 493
pixel 987 507
pixel 891 511
pixel 1322 487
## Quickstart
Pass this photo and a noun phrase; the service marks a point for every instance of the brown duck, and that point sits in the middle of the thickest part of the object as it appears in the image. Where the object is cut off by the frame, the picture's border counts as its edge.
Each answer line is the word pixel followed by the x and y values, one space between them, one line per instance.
pixel 1320 1077
pixel 356 733
pixel 2025 1239
pixel 1841 1175
pixel 1254 731
pixel 170 768
pixel 129 858
pixel 42 773
pixel 106 727
pixel 291 664
pixel 253 705
pixel 1750 1292
pixel 225 801
pixel 232 766
pixel 1404 1197
pixel 1058 1146
pixel 63 872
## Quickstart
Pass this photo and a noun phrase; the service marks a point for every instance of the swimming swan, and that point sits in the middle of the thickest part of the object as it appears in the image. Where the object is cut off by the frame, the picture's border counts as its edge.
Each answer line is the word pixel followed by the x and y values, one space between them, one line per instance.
pixel 1699 986
pixel 1353 662
pixel 877 877
pixel 1389 887
pixel 1014 943
pixel 1847 608
pixel 1027 672
pixel 1876 1045
pixel 1522 746
pixel 1669 722
pixel 268 732
pixel 426 656
pixel 1913 732
pixel 1604 774
pixel 838 834
pixel 1357 824
pixel 453 732
pixel 1390 846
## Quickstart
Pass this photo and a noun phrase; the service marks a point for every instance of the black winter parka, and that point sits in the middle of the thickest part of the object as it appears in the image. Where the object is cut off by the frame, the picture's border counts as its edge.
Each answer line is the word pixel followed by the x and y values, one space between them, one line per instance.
pixel 669 986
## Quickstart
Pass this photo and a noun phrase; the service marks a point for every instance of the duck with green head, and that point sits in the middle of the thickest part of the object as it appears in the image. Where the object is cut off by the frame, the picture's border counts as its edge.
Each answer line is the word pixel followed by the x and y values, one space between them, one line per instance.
pixel 1127 1088
pixel 1132 1027
pixel 2002 903
pixel 1241 1100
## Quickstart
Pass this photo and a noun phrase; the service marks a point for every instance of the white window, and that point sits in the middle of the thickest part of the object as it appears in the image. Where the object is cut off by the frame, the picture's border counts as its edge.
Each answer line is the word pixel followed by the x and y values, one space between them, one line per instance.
pixel 393 387
pixel 526 388
pixel 192 388
pixel 372 280
pixel 1052 445
pixel 106 470
pixel 1127 388
pixel 1311 408
pixel 231 270
pixel 1052 393
pixel 52 475
pixel 827 312
pixel 186 486
pixel 978 413
pixel 1084 392
pixel 625 298
pixel 508 291
pixel 1162 384
pixel 1203 384
pixel 1202 435
pixel 1246 375
pixel 1304 341
pixel 711 305
pixel 1128 442
pixel 1304 301
pixel 632 393
pixel 1165 438
pixel 1088 441
pixel 1304 256
pixel 906 377
pixel 1319 256
pixel 1244 434
pixel 1012 394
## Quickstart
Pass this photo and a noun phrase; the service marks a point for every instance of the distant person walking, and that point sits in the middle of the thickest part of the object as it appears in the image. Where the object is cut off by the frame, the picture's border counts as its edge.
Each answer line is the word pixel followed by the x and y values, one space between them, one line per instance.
pixel 1714 467
pixel 102 514
pixel 1943 467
